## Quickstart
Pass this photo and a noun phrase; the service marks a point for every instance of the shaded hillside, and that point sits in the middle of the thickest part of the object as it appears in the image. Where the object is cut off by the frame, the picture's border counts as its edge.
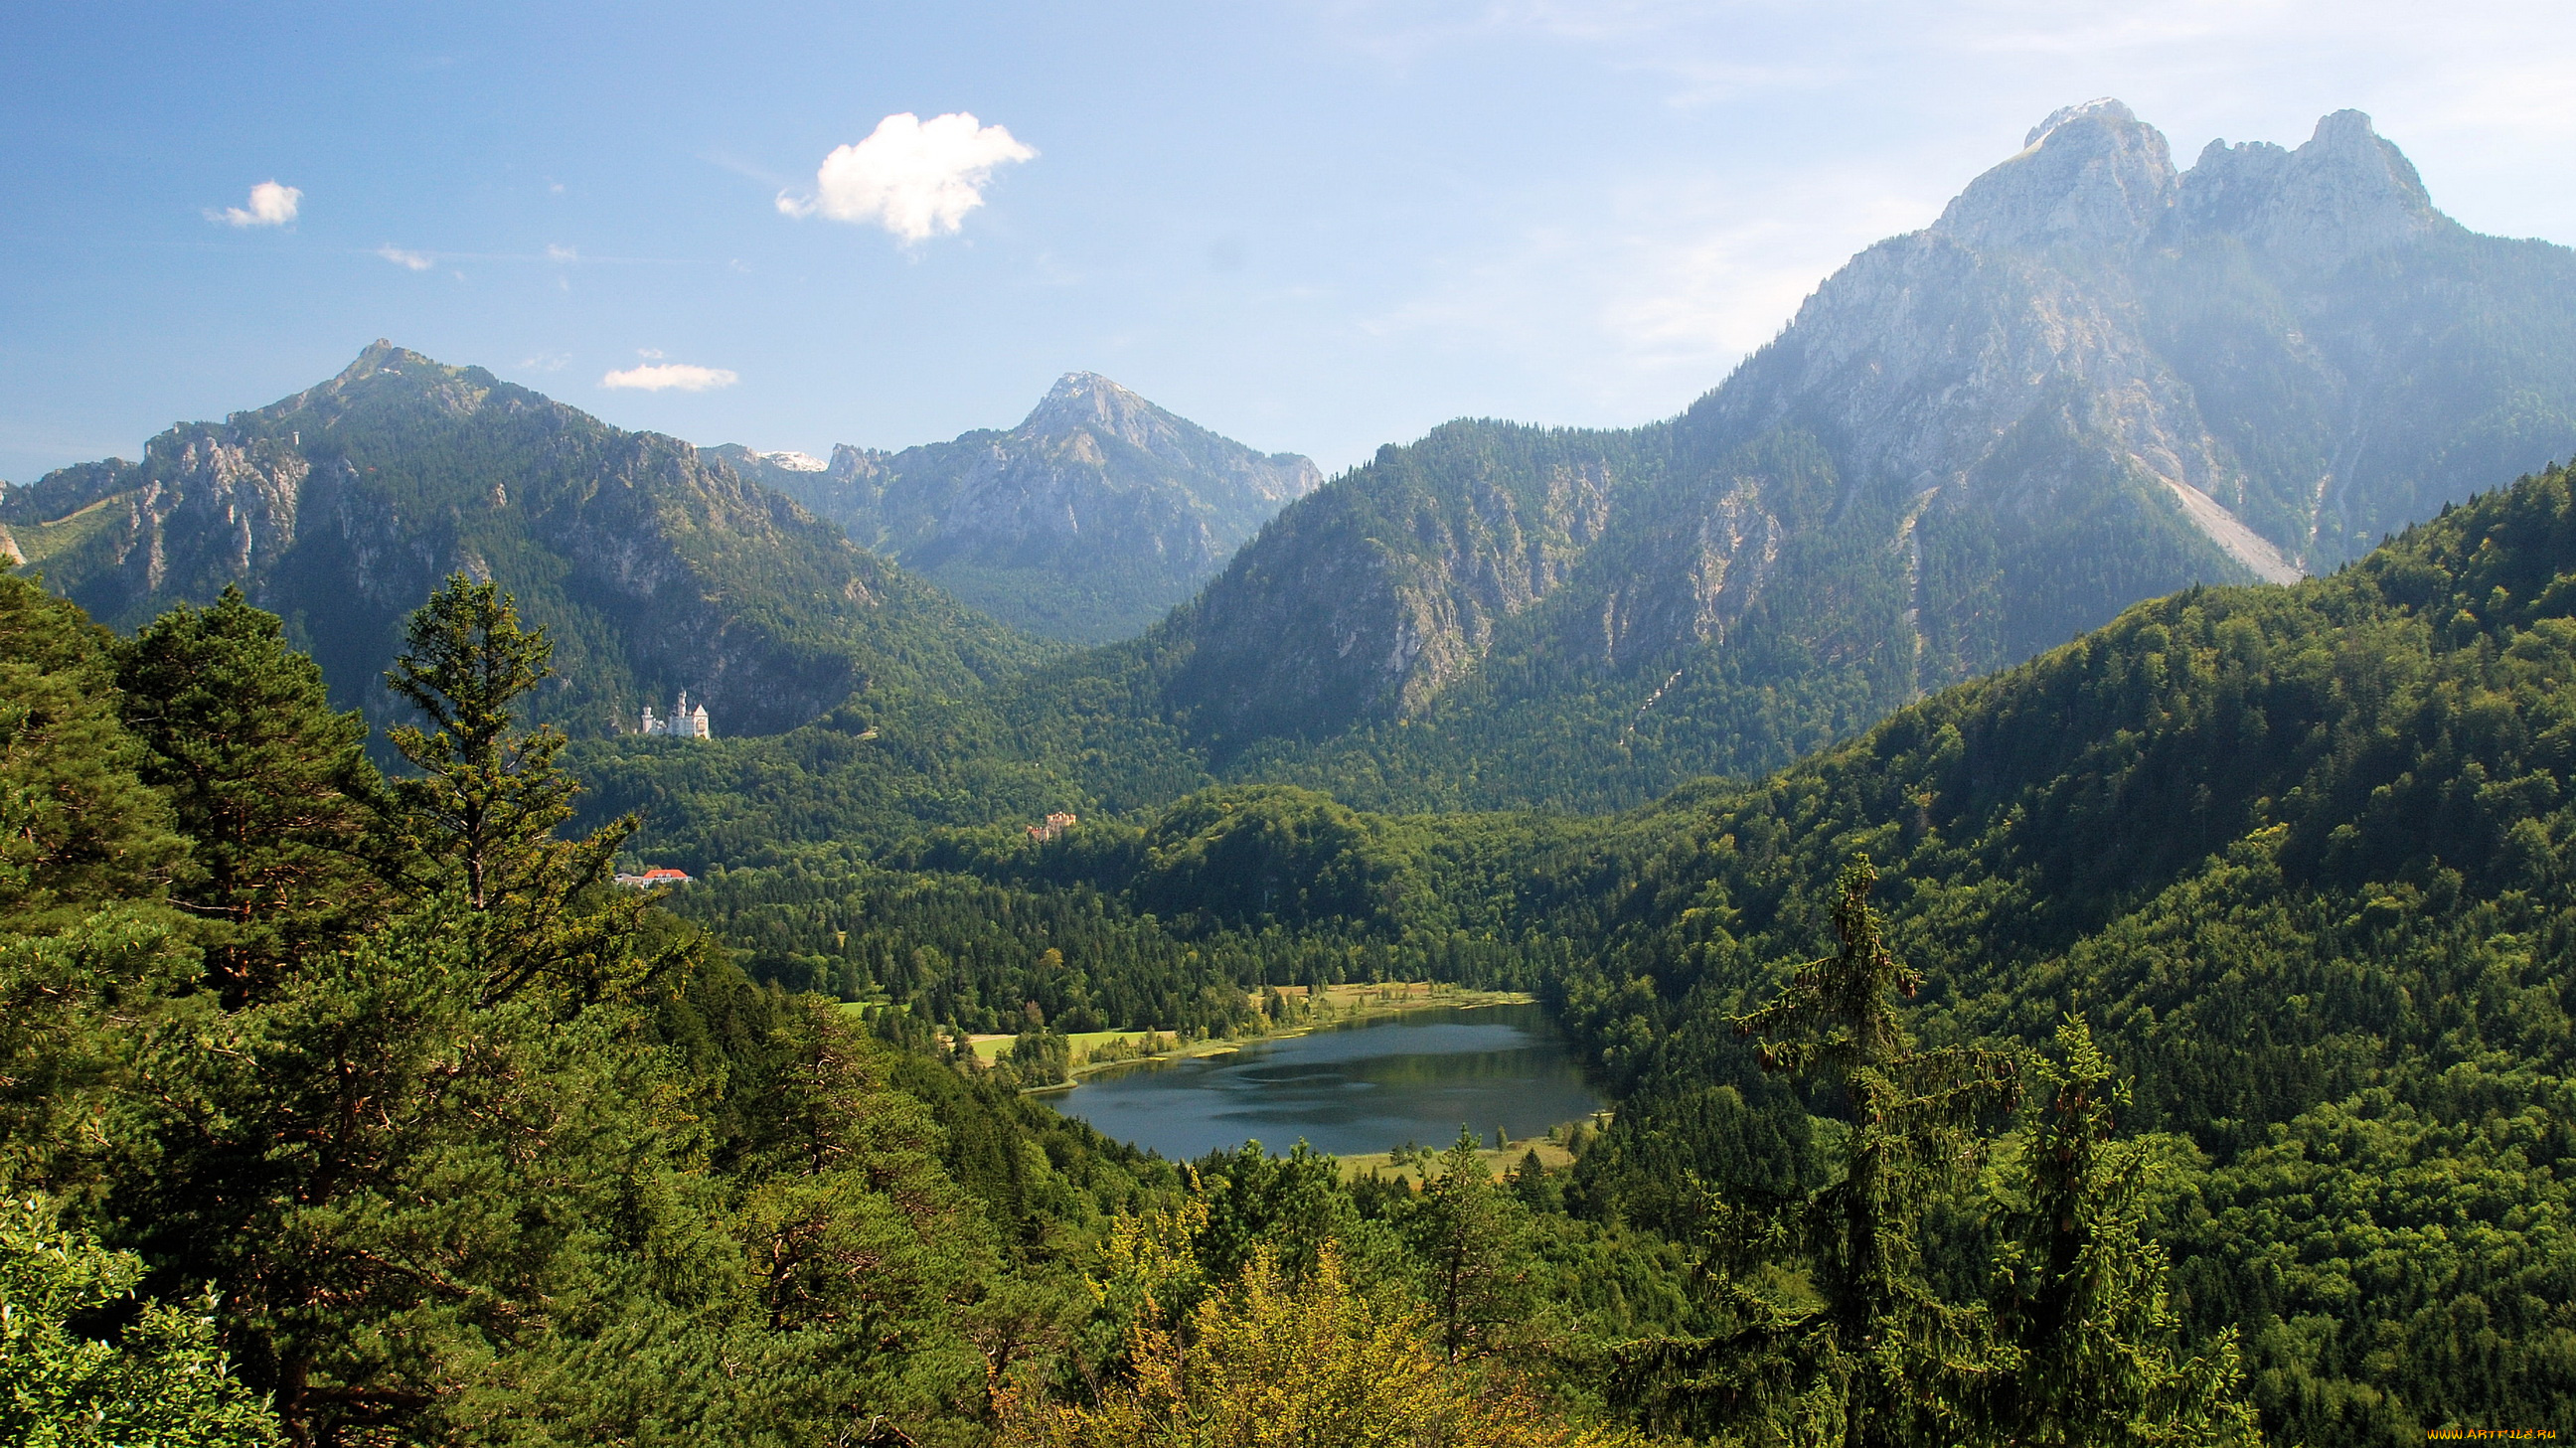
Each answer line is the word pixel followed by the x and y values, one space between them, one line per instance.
pixel 341 507
pixel 2307 860
pixel 2093 380
pixel 1086 522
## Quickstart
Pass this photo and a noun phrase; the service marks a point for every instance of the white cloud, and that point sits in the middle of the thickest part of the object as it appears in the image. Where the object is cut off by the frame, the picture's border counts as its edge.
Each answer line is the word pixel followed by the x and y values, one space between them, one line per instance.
pixel 270 205
pixel 913 177
pixel 415 260
pixel 561 253
pixel 671 377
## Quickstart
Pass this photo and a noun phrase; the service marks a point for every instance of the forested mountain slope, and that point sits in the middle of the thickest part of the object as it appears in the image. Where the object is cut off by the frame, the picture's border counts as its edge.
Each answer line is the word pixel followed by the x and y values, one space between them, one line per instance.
pixel 2092 380
pixel 2306 858
pixel 341 507
pixel 1086 522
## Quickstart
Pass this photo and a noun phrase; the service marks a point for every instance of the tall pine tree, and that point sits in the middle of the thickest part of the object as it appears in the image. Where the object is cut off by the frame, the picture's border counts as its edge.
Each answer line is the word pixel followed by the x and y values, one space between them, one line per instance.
pixel 479 819
pixel 271 787
pixel 1903 1359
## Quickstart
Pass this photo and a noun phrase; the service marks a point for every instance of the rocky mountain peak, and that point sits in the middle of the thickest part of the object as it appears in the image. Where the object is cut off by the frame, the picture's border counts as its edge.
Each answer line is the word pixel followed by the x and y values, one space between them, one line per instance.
pixel 2345 193
pixel 2099 108
pixel 1087 521
pixel 1088 401
pixel 2089 175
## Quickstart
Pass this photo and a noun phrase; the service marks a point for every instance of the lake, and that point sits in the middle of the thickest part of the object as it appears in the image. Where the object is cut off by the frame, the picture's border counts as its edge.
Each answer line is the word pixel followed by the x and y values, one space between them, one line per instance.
pixel 1348 1090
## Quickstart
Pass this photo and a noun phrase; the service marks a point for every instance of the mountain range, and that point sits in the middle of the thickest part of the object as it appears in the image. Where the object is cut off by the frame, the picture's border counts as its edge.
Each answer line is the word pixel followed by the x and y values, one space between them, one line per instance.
pixel 1087 522
pixel 341 507
pixel 2093 379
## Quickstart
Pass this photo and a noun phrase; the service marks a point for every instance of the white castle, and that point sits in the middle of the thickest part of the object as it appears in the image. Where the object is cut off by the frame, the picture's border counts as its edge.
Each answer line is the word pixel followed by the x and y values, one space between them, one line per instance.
pixel 685 722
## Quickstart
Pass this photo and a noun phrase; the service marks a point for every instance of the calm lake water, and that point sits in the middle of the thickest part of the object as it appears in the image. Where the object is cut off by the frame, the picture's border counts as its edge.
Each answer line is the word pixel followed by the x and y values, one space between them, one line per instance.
pixel 1413 1078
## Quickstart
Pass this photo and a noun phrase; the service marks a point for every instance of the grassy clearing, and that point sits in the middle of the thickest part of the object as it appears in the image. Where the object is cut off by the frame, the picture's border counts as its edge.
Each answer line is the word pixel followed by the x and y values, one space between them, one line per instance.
pixel 1554 1152
pixel 39 542
pixel 1302 1009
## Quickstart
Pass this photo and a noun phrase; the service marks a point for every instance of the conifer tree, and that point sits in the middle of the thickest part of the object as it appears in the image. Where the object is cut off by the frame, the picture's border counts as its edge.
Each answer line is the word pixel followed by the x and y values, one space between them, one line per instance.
pixel 78 827
pixel 1886 1361
pixel 271 787
pixel 1904 1359
pixel 1464 1230
pixel 86 853
pixel 480 817
pixel 2081 1286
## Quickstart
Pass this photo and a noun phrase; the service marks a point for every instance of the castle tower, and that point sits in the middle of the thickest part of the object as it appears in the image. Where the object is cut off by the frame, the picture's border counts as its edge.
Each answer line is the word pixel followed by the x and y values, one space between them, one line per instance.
pixel 698 722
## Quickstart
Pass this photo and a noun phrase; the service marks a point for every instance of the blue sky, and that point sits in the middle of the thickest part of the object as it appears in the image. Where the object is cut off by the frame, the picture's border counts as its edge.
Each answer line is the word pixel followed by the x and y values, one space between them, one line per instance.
pixel 1314 227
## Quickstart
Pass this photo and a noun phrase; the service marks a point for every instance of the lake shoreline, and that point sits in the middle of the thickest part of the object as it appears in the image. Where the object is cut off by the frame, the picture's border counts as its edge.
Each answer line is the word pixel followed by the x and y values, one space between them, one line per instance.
pixel 1355 1005
pixel 1363 1086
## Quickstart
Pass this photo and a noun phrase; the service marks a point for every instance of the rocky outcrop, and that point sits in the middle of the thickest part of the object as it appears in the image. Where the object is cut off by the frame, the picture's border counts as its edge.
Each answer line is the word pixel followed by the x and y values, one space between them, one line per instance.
pixel 2345 193
pixel 1365 603
pixel 2091 177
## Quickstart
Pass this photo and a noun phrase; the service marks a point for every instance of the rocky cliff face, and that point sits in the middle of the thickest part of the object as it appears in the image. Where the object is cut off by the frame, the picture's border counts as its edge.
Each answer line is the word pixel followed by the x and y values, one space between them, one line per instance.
pixel 343 506
pixel 1088 521
pixel 1368 602
pixel 2093 379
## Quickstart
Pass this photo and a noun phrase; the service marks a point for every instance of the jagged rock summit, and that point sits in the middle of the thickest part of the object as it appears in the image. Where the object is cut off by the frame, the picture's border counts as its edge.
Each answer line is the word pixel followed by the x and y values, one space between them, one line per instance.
pixel 2346 192
pixel 2088 175
pixel 1088 521
pixel 2093 379
pixel 2095 175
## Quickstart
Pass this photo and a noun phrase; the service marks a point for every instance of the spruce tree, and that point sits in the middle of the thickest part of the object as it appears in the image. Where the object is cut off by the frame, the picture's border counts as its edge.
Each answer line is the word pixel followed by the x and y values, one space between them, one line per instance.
pixel 1905 1360
pixel 1885 1361
pixel 479 819
pixel 2081 1285
pixel 271 787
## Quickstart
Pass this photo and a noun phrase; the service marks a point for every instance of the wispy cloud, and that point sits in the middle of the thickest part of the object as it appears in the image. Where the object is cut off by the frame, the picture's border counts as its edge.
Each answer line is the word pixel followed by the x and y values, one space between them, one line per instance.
pixel 562 253
pixel 913 177
pixel 270 205
pixel 670 377
pixel 1650 290
pixel 414 260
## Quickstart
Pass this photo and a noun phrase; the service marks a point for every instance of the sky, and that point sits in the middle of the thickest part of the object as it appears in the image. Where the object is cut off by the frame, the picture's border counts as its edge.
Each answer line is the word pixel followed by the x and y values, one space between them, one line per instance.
pixel 1312 227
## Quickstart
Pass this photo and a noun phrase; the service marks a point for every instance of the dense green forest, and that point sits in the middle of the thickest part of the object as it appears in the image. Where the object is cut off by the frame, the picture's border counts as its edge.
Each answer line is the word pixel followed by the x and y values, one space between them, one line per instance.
pixel 2301 856
pixel 345 1108
pixel 2188 1062
pixel 2296 854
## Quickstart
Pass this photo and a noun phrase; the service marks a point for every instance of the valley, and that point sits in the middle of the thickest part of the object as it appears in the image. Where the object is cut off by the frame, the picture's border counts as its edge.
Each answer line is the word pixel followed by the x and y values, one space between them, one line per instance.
pixel 2035 812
